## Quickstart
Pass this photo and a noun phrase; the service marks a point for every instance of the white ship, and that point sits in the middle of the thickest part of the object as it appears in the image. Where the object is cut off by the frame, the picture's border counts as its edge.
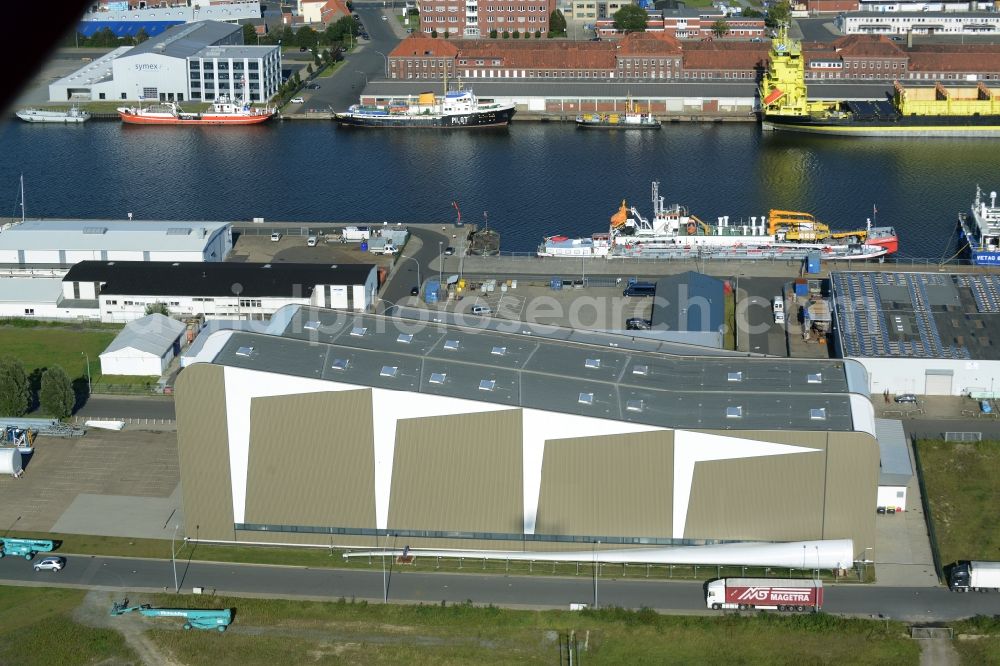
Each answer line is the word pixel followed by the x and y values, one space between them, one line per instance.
pixel 72 115
pixel 673 233
pixel 980 230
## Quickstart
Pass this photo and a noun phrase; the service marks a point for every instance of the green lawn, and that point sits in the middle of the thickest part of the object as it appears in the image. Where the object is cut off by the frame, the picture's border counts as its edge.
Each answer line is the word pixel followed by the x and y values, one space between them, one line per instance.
pixel 42 347
pixel 977 641
pixel 280 631
pixel 36 628
pixel 963 490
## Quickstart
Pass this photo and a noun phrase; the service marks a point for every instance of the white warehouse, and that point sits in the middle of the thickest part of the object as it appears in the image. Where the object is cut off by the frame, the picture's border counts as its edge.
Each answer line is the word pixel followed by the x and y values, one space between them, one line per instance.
pixel 120 291
pixel 144 348
pixel 66 242
pixel 201 62
pixel 919 23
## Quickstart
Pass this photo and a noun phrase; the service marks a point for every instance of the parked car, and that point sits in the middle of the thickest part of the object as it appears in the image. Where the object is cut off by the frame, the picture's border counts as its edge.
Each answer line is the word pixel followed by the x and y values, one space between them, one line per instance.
pixel 448 251
pixel 640 289
pixel 312 86
pixel 50 564
pixel 275 237
pixel 779 317
pixel 778 304
pixel 481 310
pixel 298 100
pixel 415 291
pixel 638 324
pixel 385 18
pixel 311 241
pixel 908 398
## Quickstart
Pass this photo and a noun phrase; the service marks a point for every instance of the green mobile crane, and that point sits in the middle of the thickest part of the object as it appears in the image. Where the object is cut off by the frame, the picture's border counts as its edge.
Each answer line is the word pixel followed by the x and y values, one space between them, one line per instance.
pixel 196 618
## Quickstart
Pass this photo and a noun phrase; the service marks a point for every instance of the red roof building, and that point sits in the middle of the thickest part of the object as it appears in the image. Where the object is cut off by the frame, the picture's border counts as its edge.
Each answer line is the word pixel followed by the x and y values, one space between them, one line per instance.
pixel 478 18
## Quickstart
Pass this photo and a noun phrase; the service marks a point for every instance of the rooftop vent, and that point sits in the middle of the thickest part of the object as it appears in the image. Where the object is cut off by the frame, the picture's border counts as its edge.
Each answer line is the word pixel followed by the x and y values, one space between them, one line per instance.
pixel 634 406
pixel 487 384
pixel 499 351
pixel 244 351
pixel 818 414
pixel 592 363
pixel 451 345
pixel 404 338
pixel 312 325
pixel 178 231
pixel 438 377
pixel 815 378
pixel 642 370
pixel 586 399
pixel 389 371
pixel 340 364
pixel 734 412
pixel 358 331
pixel 735 376
pixel 95 230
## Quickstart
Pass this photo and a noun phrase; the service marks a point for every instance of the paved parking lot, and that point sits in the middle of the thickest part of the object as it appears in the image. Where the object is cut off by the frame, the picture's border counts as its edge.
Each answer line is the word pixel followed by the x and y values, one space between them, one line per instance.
pixel 292 248
pixel 121 483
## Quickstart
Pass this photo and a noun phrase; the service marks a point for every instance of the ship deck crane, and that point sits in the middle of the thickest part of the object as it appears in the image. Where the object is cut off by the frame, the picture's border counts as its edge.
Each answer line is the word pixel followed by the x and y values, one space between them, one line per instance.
pixel 805 228
pixel 196 618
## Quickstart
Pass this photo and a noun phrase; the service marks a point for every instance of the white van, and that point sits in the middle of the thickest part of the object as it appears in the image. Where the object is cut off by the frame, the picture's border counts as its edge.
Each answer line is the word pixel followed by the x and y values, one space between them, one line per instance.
pixel 779 304
pixel 481 310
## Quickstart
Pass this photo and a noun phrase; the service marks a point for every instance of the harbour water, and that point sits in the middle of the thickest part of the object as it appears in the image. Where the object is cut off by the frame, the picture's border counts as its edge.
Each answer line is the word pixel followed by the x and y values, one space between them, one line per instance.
pixel 533 179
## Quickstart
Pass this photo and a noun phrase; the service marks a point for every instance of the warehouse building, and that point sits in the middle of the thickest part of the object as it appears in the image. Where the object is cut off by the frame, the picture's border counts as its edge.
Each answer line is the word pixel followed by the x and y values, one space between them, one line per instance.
pixel 922 333
pixel 448 436
pixel 62 243
pixel 690 308
pixel 201 62
pixel 120 291
pixel 144 347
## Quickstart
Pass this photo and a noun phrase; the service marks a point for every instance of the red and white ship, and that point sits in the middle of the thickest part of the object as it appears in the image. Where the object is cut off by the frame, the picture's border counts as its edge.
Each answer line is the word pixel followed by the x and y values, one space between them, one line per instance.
pixel 223 112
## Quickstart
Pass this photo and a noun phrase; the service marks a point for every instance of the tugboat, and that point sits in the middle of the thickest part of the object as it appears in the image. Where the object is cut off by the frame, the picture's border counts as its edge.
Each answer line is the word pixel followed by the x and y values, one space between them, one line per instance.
pixel 632 118
pixel 673 233
pixel 223 112
pixel 980 228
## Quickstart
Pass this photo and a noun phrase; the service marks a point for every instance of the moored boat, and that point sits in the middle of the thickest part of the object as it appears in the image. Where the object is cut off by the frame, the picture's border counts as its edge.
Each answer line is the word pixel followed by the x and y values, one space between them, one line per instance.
pixel 72 115
pixel 673 233
pixel 457 109
pixel 980 229
pixel 631 118
pixel 223 112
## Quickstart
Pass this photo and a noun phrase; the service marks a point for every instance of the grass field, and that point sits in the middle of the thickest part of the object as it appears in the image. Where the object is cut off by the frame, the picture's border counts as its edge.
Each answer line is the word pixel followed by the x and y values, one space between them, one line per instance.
pixel 279 631
pixel 36 628
pixel 977 641
pixel 42 347
pixel 963 490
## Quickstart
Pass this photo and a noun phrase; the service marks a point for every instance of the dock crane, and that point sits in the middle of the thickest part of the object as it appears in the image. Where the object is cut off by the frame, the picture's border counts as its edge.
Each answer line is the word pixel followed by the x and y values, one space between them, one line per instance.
pixel 197 618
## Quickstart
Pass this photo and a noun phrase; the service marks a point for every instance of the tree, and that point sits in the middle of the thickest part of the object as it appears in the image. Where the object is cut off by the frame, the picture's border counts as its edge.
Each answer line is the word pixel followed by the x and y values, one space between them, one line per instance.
pixel 158 307
pixel 557 23
pixel 434 33
pixel 306 36
pixel 516 34
pixel 14 393
pixel 309 69
pixel 505 35
pixel 780 12
pixel 413 11
pixel 720 27
pixel 56 396
pixel 249 34
pixel 493 33
pixel 538 34
pixel 630 18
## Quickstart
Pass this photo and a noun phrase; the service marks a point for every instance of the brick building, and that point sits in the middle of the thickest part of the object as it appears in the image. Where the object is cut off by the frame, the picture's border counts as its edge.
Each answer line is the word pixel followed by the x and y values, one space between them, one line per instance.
pixel 477 18
pixel 660 57
pixel 694 24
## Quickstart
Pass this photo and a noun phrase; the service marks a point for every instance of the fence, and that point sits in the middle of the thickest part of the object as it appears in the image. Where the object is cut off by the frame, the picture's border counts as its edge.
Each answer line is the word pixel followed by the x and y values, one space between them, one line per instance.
pixel 926 503
pixel 963 437
pixel 99 388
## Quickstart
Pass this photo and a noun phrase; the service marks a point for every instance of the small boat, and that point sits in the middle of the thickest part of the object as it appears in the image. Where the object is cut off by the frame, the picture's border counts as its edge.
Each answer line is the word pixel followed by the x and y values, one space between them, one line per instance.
pixel 223 112
pixel 631 118
pixel 980 228
pixel 72 115
pixel 458 109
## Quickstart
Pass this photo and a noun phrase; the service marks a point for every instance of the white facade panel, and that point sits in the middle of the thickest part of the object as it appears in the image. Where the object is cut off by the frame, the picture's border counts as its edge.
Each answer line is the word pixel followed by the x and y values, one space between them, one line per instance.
pixel 76 256
pixel 123 309
pixel 8 257
pixel 46 311
pixel 177 256
pixel 133 362
pixel 41 257
pixel 150 76
pixel 123 255
pixel 909 375
pixel 892 496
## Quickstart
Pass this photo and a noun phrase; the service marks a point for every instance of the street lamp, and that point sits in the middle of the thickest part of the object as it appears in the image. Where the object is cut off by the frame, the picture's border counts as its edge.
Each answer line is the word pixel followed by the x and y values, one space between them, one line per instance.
pixel 440 244
pixel 87 356
pixel 173 558
pixel 417 264
pixel 386 63
pixel 596 564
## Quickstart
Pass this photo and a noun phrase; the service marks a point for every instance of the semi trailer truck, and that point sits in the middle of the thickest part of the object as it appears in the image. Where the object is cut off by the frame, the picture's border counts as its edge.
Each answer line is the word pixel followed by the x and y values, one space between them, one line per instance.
pixel 781 594
pixel 976 576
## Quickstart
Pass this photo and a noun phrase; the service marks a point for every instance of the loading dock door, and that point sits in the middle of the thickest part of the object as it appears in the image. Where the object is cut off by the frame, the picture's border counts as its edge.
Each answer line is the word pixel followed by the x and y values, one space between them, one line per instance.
pixel 938 382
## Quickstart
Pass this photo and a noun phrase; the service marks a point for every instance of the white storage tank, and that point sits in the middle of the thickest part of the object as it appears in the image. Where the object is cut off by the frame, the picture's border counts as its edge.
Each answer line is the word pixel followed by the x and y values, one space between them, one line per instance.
pixel 10 461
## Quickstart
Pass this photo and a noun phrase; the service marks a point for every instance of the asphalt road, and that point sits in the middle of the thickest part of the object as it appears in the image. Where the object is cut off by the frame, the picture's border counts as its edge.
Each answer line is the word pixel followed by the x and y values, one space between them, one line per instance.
pixel 908 604
pixel 112 407
pixel 415 269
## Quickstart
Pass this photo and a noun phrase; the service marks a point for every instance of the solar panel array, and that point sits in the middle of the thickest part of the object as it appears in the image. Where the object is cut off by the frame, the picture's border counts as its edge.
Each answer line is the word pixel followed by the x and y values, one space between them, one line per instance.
pixel 550 374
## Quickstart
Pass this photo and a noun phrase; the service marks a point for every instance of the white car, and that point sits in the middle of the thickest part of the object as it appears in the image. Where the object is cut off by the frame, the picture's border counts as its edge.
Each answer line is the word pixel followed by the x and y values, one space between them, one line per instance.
pixel 50 564
pixel 385 18
pixel 298 100
pixel 779 304
pixel 311 241
pixel 779 317
pixel 275 237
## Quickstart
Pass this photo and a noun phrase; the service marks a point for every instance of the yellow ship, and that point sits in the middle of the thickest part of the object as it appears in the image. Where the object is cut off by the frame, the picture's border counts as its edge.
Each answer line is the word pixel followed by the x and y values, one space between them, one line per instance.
pixel 912 111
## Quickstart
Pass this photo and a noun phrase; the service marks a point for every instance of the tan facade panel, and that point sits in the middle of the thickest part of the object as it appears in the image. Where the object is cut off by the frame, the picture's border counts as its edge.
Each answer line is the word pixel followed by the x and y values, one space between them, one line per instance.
pixel 462 472
pixel 311 460
pixel 851 488
pixel 770 498
pixel 614 485
pixel 203 452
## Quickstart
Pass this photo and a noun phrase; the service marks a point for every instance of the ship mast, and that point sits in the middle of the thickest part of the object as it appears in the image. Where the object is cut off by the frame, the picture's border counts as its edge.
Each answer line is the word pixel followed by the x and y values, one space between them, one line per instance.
pixel 22 197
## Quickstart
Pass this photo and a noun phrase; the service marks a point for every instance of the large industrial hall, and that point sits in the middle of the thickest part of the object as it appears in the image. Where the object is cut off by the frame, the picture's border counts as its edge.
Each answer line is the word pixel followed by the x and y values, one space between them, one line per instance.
pixel 363 431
